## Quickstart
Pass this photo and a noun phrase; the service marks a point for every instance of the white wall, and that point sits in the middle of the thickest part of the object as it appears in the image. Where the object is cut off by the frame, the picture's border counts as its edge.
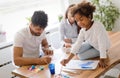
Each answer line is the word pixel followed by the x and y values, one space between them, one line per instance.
pixel 64 5
pixel 13 17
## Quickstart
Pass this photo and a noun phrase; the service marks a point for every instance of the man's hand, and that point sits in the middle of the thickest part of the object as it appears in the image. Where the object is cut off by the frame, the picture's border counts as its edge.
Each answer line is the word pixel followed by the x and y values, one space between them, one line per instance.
pixel 103 63
pixel 48 51
pixel 44 60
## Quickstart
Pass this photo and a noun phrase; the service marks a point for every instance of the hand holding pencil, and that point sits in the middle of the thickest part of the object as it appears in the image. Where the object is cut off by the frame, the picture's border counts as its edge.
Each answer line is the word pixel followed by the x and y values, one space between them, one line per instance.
pixel 64 62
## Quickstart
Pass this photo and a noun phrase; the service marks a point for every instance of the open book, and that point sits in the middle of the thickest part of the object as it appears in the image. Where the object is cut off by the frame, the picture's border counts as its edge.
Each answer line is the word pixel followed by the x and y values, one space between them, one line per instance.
pixel 82 64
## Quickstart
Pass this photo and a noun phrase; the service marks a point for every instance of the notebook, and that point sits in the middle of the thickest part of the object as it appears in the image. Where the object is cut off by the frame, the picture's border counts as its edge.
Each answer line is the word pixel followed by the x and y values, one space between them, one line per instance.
pixel 82 64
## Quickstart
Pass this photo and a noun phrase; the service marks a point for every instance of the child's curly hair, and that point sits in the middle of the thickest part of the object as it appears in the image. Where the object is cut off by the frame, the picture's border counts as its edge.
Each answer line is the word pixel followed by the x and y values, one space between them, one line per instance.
pixel 84 8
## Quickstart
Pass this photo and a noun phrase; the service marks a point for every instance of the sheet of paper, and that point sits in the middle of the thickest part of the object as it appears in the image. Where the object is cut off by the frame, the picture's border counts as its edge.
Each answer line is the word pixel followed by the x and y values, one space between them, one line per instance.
pixel 82 64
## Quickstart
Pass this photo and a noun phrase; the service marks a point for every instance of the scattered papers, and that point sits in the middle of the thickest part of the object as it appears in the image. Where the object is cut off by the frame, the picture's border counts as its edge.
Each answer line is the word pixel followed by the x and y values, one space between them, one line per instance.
pixel 82 64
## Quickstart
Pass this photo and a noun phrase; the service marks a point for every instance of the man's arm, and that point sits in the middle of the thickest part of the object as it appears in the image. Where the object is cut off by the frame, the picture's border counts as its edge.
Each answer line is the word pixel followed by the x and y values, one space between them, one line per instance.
pixel 45 43
pixel 19 60
pixel 45 47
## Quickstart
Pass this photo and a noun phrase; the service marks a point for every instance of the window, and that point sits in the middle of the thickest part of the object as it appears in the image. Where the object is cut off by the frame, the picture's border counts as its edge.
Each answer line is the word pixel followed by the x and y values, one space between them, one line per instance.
pixel 13 13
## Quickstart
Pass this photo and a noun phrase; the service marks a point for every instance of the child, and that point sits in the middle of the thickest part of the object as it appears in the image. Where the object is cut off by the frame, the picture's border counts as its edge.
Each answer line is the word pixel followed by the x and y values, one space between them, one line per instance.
pixel 93 39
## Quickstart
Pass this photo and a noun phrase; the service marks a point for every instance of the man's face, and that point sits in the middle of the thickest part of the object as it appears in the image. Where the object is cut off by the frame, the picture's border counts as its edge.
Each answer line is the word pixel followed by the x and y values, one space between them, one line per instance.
pixel 36 30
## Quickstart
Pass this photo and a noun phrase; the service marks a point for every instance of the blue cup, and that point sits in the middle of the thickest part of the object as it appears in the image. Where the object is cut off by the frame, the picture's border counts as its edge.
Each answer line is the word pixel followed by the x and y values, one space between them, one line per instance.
pixel 52 68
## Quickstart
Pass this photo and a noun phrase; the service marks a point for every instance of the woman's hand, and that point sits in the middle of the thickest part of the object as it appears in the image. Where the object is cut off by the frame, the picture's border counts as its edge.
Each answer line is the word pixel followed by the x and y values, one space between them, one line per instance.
pixel 68 40
pixel 67 45
pixel 103 63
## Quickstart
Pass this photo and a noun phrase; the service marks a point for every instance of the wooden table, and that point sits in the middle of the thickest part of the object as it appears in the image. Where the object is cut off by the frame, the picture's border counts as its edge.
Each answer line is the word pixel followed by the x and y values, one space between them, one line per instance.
pixel 113 59
pixel 24 71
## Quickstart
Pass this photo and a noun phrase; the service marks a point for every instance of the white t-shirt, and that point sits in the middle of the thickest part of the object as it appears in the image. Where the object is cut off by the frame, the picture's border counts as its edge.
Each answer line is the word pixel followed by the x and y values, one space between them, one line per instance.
pixel 28 42
pixel 96 36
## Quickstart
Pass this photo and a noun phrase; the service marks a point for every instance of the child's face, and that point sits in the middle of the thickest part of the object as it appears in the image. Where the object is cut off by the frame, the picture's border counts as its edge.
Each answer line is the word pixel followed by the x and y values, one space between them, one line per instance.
pixel 82 21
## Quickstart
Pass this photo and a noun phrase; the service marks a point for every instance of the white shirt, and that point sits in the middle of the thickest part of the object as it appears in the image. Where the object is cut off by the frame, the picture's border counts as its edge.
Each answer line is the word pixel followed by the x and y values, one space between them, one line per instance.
pixel 68 31
pixel 96 36
pixel 28 42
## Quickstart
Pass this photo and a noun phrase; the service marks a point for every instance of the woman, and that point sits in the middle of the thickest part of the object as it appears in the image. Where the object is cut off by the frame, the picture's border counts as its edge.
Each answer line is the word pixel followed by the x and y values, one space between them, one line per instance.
pixel 68 28
pixel 93 39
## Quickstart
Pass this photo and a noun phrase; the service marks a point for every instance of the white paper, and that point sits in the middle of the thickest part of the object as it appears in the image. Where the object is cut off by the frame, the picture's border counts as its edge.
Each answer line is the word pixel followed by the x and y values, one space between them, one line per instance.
pixel 82 64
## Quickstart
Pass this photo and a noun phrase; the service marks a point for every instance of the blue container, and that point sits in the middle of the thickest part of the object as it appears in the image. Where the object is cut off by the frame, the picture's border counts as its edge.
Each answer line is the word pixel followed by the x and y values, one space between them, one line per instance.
pixel 52 68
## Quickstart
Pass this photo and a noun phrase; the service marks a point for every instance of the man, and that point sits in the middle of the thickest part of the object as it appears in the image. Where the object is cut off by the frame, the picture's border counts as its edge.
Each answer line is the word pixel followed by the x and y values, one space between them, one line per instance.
pixel 27 42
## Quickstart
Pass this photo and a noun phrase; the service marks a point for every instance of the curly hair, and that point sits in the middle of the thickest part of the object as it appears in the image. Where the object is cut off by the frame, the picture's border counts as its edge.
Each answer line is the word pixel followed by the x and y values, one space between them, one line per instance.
pixel 84 8
pixel 40 19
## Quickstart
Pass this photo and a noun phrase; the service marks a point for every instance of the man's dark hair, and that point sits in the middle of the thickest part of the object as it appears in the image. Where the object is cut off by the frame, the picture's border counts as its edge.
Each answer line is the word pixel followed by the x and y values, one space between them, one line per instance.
pixel 40 19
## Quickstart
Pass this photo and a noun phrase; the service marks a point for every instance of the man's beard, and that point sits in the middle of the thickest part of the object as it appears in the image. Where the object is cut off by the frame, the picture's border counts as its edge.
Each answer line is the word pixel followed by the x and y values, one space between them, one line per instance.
pixel 36 34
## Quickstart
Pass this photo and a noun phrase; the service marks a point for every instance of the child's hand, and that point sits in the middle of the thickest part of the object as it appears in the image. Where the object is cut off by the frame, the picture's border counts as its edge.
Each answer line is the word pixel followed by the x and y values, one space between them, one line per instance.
pixel 102 63
pixel 64 62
